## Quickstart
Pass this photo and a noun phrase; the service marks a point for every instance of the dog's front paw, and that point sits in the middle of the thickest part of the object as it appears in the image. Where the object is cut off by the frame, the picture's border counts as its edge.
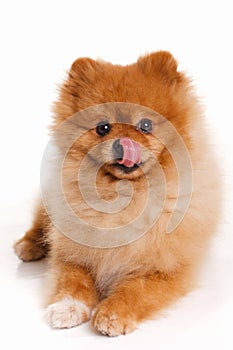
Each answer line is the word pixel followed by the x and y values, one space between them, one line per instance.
pixel 113 318
pixel 67 312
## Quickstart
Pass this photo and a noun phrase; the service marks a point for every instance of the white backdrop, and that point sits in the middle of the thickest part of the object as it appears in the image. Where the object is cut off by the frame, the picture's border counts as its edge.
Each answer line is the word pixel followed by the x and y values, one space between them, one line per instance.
pixel 39 41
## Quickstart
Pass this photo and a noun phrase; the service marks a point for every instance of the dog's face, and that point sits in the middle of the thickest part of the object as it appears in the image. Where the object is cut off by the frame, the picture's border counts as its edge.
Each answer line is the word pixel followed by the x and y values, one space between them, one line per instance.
pixel 119 132
pixel 119 138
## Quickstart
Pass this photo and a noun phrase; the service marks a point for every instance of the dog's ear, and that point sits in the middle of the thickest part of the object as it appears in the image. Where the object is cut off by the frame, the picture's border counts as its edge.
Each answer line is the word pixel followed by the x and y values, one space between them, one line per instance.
pixel 160 63
pixel 83 70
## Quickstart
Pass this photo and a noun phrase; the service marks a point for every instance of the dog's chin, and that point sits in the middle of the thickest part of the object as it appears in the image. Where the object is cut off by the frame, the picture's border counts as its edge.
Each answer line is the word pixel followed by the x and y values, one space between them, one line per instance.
pixel 122 172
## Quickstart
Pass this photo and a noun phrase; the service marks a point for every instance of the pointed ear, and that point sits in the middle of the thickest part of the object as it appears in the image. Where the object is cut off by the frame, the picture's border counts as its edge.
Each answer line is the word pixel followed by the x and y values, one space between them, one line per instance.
pixel 160 63
pixel 84 69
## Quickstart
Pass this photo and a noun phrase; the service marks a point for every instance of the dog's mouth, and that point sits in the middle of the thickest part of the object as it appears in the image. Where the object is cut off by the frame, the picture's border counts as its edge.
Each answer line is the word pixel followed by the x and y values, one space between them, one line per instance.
pixel 126 155
pixel 125 169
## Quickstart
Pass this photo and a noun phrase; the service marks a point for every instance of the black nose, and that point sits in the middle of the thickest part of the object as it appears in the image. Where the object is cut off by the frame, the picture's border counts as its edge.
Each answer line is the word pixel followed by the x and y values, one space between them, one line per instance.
pixel 117 150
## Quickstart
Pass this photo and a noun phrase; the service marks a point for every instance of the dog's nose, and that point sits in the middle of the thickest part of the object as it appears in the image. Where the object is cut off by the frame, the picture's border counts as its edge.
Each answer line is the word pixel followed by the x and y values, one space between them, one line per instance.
pixel 118 151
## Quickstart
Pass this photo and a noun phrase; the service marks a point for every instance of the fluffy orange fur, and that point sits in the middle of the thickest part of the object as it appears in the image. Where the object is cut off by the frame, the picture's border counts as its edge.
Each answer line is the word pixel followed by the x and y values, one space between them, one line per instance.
pixel 130 283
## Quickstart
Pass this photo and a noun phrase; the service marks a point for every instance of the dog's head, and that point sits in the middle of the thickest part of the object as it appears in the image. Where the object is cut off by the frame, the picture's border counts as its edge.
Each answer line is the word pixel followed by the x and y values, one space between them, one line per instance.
pixel 121 111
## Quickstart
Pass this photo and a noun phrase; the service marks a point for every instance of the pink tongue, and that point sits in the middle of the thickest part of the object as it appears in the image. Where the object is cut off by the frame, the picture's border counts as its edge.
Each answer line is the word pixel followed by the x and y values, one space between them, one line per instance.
pixel 131 152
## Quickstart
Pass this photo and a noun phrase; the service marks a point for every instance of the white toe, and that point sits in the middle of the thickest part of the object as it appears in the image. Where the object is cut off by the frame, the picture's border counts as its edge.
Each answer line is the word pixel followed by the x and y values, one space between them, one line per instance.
pixel 67 312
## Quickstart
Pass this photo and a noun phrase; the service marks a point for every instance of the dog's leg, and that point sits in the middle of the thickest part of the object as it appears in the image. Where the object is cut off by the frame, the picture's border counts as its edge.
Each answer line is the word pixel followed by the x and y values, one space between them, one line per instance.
pixel 34 244
pixel 74 296
pixel 137 299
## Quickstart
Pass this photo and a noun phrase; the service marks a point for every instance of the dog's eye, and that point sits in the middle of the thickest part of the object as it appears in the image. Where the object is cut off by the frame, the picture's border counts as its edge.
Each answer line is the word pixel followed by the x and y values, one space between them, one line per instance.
pixel 145 126
pixel 103 128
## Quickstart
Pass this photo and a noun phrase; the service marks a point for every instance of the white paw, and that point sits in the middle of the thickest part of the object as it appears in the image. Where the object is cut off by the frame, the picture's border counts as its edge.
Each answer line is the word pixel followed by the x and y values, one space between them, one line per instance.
pixel 67 312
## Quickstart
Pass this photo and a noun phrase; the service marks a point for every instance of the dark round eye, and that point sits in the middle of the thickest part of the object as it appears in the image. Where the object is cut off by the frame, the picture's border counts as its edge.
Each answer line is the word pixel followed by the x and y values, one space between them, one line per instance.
pixel 145 126
pixel 103 128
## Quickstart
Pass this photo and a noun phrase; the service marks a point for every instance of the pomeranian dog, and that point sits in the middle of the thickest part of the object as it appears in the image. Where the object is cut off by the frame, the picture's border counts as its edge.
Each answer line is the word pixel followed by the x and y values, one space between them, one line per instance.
pixel 130 194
